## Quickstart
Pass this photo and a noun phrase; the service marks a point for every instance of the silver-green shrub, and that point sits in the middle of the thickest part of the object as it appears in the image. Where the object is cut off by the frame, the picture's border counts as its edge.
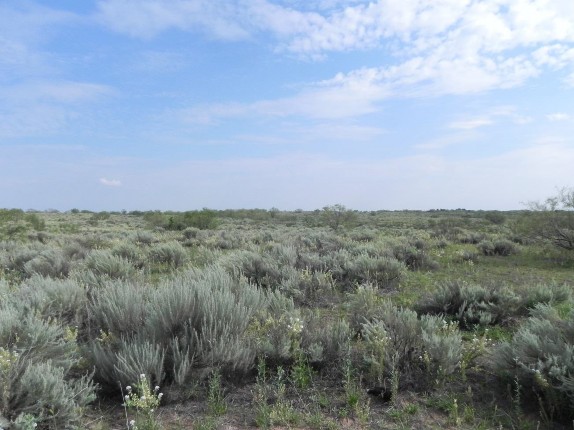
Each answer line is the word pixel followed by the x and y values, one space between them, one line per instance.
pixel 421 352
pixel 171 254
pixel 260 269
pixel 551 294
pixel 36 361
pixel 50 262
pixel 471 305
pixel 540 358
pixel 63 299
pixel 119 308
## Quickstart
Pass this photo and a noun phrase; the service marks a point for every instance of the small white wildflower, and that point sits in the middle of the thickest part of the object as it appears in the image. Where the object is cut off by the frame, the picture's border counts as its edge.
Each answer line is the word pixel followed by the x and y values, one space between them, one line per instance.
pixel 128 388
pixel 156 388
pixel 142 398
pixel 160 395
pixel 132 423
pixel 142 376
pixel 126 397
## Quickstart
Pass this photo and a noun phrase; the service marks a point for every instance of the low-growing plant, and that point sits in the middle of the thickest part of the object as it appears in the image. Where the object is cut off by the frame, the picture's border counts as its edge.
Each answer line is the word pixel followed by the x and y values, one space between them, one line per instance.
pixel 540 358
pixel 423 351
pixel 171 254
pixel 36 362
pixel 143 402
pixel 49 263
pixel 502 247
pixel 470 304
pixel 61 299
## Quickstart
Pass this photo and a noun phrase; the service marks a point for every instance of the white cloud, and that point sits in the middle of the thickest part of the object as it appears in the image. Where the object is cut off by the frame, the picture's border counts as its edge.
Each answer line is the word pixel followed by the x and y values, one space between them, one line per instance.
pixel 436 48
pixel 45 107
pixel 448 140
pixel 147 18
pixel 470 124
pixel 346 97
pixel 558 116
pixel 110 182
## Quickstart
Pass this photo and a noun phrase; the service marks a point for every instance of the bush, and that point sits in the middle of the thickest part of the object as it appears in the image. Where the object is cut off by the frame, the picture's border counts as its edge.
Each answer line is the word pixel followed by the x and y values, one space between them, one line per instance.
pixel 363 306
pixel 118 309
pixel 495 217
pixel 198 319
pixel 49 263
pixel 104 264
pixel 540 358
pixel 500 247
pixel 471 305
pixel 42 391
pixel 551 221
pixel 415 258
pixel 383 272
pixel 143 238
pixel 259 269
pixel 418 353
pixel 326 343
pixel 36 362
pixel 61 299
pixel 171 254
pixel 551 294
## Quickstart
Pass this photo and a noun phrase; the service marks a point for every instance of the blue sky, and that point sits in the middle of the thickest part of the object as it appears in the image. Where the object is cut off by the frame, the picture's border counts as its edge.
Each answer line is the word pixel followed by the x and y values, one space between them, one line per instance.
pixel 185 104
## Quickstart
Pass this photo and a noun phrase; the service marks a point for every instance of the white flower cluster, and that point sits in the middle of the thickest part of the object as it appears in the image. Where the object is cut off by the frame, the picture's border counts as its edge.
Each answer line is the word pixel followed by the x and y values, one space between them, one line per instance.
pixel 295 326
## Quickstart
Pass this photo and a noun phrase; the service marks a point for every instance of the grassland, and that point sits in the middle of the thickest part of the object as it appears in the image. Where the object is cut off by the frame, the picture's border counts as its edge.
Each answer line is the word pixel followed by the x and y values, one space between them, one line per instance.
pixel 271 319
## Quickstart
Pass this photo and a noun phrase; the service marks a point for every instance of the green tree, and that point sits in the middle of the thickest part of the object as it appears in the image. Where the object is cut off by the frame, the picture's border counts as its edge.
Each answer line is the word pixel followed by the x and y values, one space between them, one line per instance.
pixel 337 215
pixel 552 220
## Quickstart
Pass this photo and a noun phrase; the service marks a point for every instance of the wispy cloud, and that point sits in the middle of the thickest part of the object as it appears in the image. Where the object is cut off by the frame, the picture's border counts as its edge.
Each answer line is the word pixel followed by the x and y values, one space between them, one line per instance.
pixel 147 18
pixel 110 182
pixel 447 47
pixel 558 116
pixel 470 124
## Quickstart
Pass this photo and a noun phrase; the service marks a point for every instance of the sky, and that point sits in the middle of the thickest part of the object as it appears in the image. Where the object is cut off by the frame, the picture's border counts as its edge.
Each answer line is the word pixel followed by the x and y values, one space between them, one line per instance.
pixel 294 104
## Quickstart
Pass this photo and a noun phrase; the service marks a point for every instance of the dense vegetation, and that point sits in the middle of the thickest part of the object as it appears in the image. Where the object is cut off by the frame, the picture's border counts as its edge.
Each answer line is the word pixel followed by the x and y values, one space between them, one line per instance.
pixel 326 319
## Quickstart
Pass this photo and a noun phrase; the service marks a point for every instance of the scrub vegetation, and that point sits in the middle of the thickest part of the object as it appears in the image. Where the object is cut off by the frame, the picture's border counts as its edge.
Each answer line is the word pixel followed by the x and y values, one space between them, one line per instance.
pixel 329 319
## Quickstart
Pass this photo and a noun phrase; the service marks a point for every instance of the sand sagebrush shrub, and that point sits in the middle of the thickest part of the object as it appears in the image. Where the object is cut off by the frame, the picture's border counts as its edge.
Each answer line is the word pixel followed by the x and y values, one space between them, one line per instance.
pixel 62 299
pixel 50 262
pixel 36 360
pixel 471 237
pixel 321 242
pixel 363 306
pixel 550 294
pixel 74 251
pixel 309 287
pixel 501 247
pixel 540 358
pixel 129 252
pixel 119 308
pixel 414 257
pixel 171 254
pixel 384 272
pixel 43 391
pixel 38 340
pixel 103 265
pixel 208 311
pixel 143 238
pixel 326 343
pixel 421 352
pixel 260 269
pixel 16 256
pixel 472 305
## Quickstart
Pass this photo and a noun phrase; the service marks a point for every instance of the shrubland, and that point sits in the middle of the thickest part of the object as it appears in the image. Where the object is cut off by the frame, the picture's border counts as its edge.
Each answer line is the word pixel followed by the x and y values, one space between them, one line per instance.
pixel 252 318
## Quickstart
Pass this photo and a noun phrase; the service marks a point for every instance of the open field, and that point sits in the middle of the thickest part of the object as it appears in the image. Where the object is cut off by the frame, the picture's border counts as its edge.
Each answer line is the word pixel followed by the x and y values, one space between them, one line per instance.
pixel 330 319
